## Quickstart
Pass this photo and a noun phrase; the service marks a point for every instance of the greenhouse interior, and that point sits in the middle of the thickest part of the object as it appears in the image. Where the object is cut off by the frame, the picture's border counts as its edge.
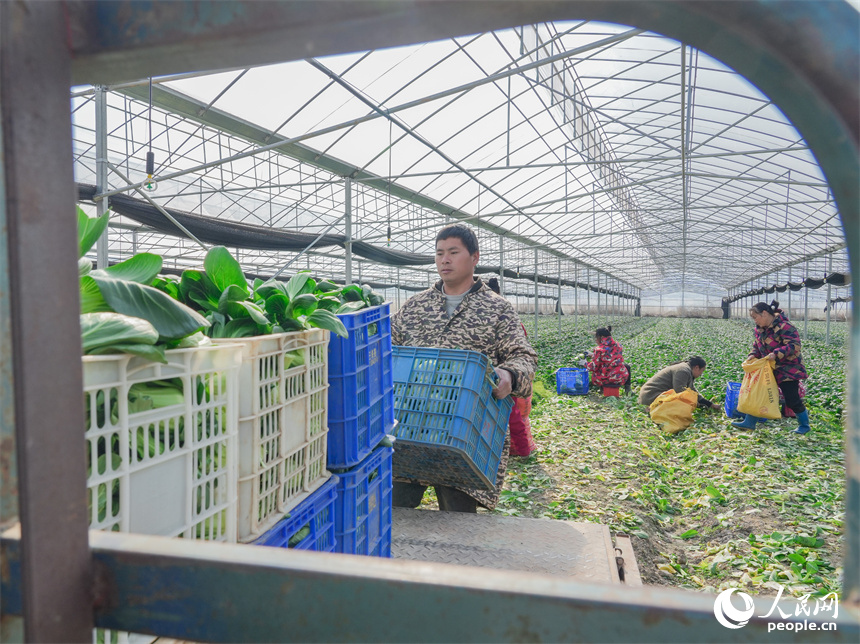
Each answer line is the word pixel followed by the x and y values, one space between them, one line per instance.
pixel 626 189
pixel 614 162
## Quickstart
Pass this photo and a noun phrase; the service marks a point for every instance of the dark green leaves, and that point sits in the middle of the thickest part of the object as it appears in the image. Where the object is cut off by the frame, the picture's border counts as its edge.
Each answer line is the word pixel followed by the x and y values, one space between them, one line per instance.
pixel 170 318
pixel 223 269
pixel 326 320
pixel 195 288
pixel 299 284
pixel 89 230
pixel 141 268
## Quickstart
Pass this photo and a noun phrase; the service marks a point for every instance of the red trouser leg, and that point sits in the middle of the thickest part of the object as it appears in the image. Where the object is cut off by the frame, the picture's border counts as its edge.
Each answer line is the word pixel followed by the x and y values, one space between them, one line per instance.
pixel 522 443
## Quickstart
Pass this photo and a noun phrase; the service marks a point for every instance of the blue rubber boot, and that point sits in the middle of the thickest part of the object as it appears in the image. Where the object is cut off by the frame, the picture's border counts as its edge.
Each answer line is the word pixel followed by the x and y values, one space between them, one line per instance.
pixel 802 422
pixel 747 423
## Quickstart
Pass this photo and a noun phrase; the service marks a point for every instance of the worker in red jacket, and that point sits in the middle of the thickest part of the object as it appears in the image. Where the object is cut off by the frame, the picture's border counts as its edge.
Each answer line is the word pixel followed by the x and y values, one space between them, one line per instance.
pixel 606 367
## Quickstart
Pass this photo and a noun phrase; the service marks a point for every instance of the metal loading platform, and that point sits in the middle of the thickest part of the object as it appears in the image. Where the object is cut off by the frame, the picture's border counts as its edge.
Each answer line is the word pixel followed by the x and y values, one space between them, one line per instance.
pixel 582 551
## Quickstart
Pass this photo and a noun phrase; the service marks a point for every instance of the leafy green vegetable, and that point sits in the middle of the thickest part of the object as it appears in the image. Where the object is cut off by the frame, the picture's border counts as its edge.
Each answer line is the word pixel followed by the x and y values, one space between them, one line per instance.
pixel 329 304
pixel 91 297
pixel 351 293
pixel 195 287
pixel 89 230
pixel 299 284
pixel 223 269
pixel 326 286
pixel 106 329
pixel 350 307
pixel 329 321
pixel 141 268
pixel 171 319
pixel 302 305
pixel 84 266
pixel 299 536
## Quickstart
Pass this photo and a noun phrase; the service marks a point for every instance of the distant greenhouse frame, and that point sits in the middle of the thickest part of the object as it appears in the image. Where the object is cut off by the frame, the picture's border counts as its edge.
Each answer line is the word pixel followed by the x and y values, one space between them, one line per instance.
pixel 611 159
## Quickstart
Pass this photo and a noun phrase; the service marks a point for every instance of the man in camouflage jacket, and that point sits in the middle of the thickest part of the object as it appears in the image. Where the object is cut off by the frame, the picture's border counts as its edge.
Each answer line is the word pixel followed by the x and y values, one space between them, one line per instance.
pixel 461 312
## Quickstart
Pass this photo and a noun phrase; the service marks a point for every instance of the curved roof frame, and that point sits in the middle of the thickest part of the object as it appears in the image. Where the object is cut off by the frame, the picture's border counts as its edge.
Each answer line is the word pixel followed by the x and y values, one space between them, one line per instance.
pixel 606 148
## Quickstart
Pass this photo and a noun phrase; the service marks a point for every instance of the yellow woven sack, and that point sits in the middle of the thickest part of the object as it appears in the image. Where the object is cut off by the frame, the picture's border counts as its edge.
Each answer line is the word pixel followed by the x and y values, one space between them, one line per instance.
pixel 673 412
pixel 759 395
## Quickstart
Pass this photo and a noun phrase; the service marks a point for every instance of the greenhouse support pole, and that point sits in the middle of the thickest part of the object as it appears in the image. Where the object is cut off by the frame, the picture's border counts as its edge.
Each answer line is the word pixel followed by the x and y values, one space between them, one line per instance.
pixel 829 303
pixel 588 297
pixel 43 467
pixel 501 265
pixel 806 307
pixel 397 290
pixel 101 170
pixel 536 294
pixel 559 295
pixel 575 295
pixel 347 215
pixel 788 288
pixel 598 298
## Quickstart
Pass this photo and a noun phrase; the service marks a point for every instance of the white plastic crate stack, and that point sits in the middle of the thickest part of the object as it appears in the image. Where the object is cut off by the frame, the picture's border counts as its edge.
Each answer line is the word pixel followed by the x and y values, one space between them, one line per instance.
pixel 283 425
pixel 166 470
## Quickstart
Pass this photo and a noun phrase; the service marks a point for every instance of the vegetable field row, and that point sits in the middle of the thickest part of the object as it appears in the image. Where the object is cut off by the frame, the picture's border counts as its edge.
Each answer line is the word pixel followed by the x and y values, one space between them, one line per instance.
pixel 712 507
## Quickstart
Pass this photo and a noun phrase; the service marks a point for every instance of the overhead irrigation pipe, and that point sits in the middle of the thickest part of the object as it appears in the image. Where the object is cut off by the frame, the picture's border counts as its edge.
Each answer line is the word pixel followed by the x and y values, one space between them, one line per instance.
pixel 159 208
pixel 377 114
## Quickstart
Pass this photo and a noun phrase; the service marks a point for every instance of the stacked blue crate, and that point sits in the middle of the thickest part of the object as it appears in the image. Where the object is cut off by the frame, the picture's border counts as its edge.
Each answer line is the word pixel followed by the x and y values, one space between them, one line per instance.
pixel 360 395
pixel 308 526
pixel 363 506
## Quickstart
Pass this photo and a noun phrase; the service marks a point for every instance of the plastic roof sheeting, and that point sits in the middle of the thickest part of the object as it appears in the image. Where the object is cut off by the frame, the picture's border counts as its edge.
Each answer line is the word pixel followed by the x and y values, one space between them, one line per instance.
pixel 605 148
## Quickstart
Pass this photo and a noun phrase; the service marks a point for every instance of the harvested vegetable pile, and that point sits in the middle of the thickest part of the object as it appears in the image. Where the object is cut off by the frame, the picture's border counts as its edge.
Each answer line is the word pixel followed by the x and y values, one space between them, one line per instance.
pixel 711 507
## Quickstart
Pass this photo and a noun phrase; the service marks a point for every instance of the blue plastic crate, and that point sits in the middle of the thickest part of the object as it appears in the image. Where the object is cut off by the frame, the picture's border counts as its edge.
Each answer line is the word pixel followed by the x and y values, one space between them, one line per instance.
pixel 360 395
pixel 362 523
pixel 315 512
pixel 733 390
pixel 572 381
pixel 450 430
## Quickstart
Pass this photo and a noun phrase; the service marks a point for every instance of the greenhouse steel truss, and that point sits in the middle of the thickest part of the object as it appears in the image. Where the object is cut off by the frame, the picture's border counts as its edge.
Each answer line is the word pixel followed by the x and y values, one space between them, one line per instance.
pixel 589 156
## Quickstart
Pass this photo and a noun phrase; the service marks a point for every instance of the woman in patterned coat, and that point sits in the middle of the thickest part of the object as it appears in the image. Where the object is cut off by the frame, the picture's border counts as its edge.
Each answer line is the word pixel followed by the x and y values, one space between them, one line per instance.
pixel 461 312
pixel 777 340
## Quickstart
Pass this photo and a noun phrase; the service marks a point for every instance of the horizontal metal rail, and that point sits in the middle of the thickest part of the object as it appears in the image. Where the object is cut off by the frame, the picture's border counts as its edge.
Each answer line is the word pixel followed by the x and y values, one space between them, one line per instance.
pixel 217 592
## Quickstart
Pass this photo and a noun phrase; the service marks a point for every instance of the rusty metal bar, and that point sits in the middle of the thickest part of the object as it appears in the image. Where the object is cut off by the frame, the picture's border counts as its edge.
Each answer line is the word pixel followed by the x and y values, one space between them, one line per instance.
pixel 216 592
pixel 42 300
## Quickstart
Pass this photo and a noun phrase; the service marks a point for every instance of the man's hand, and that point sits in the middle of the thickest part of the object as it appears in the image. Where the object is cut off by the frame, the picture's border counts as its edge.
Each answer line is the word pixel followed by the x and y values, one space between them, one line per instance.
pixel 715 406
pixel 771 357
pixel 503 389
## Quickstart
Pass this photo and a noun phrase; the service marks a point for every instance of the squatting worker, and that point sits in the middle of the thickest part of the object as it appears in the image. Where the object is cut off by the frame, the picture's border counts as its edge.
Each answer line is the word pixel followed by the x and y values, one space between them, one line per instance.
pixel 676 376
pixel 461 312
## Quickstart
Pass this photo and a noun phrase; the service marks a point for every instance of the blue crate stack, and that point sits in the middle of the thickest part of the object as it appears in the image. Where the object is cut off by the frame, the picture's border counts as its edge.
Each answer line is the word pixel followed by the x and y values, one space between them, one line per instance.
pixel 363 506
pixel 572 381
pixel 317 513
pixel 360 395
pixel 450 428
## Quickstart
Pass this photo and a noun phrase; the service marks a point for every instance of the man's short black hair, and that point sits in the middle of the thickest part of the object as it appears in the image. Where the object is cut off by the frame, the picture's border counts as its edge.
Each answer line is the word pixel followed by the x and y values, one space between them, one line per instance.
pixel 461 232
pixel 696 361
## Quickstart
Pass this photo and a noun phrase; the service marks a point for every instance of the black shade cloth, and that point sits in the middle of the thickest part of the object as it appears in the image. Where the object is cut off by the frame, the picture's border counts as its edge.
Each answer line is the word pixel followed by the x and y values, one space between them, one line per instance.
pixel 224 232
pixel 234 234
pixel 834 279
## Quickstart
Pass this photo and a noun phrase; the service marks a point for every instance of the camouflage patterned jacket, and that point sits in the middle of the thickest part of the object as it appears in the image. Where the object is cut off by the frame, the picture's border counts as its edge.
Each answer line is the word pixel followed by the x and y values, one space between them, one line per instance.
pixel 483 322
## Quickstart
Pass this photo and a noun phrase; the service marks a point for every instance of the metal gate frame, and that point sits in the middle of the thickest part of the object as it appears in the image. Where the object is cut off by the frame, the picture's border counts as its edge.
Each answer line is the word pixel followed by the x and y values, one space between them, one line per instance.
pixel 63 580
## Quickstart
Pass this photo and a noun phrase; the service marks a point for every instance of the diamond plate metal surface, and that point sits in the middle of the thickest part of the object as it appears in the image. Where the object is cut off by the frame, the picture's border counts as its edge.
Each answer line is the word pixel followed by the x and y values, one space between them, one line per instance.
pixel 579 550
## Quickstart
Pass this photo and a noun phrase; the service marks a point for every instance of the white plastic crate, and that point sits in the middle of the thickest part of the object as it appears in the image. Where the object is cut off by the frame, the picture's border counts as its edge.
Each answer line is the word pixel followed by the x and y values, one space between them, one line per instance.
pixel 283 425
pixel 169 471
